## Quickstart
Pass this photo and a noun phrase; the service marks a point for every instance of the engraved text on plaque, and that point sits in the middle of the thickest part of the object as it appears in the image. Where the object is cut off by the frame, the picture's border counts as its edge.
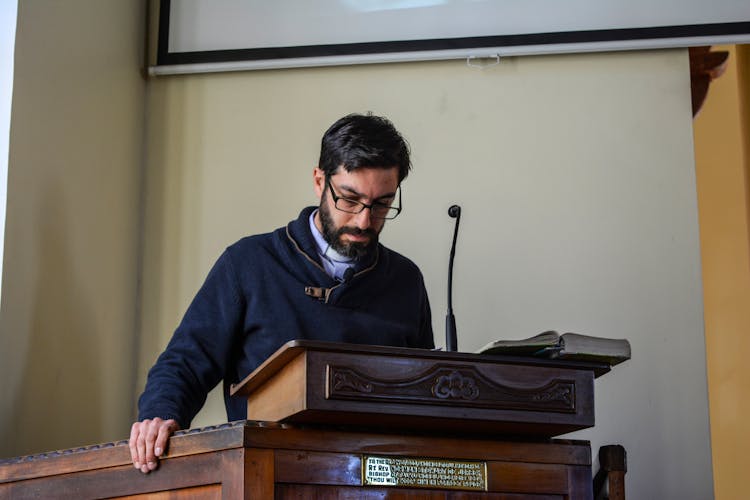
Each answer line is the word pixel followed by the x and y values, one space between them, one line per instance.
pixel 424 473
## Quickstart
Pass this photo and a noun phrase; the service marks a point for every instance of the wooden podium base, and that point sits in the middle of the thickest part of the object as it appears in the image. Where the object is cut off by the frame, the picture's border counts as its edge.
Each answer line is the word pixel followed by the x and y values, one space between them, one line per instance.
pixel 254 460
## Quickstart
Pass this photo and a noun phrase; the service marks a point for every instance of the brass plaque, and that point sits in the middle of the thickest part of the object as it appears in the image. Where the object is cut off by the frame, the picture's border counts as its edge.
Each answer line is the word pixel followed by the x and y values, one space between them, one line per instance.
pixel 424 473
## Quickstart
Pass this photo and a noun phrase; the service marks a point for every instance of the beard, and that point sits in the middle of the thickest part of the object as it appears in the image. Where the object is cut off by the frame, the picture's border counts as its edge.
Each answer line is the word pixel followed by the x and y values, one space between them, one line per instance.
pixel 332 235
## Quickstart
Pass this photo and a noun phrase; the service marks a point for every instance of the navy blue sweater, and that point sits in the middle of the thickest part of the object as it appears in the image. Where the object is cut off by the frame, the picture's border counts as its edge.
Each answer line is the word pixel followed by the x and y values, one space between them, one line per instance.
pixel 258 296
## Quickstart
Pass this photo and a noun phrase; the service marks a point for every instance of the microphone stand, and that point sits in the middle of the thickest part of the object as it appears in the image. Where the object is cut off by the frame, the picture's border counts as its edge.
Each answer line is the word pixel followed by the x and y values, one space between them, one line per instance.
pixel 451 340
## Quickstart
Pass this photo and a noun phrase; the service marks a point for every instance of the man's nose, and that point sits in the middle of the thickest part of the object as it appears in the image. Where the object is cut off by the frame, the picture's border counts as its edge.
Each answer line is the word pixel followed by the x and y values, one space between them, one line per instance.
pixel 363 218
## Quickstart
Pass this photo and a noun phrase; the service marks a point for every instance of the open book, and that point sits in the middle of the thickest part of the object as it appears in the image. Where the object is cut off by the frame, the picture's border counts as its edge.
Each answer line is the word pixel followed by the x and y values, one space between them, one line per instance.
pixel 566 346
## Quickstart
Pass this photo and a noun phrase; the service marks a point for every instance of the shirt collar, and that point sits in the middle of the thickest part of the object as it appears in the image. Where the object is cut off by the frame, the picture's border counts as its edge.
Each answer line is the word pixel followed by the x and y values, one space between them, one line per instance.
pixel 333 262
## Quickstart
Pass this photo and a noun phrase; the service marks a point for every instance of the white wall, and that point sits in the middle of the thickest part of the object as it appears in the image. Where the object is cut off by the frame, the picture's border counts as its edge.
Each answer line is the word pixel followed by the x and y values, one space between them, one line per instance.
pixel 8 12
pixel 67 315
pixel 576 178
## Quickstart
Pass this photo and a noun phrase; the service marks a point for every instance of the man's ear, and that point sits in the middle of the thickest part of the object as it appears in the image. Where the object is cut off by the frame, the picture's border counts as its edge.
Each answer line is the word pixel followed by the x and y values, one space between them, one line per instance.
pixel 319 181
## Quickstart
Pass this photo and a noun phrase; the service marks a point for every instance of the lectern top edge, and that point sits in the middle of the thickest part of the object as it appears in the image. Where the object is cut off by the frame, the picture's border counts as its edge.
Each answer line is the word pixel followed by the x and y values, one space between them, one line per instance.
pixel 294 348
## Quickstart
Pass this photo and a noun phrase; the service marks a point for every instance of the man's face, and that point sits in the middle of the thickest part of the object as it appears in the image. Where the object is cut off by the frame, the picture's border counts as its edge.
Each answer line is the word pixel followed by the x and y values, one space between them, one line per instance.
pixel 354 235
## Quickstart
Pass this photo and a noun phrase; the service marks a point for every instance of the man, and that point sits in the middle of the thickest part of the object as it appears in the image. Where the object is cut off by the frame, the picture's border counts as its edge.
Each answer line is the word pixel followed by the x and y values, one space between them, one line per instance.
pixel 323 277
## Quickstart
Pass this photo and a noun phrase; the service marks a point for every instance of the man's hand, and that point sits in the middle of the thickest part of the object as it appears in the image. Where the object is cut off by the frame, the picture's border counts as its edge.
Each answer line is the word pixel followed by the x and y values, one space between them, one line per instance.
pixel 148 440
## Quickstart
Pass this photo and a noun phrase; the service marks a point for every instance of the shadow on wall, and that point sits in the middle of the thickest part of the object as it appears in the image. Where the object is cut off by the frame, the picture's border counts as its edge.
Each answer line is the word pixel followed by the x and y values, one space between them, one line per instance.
pixel 161 232
pixel 59 403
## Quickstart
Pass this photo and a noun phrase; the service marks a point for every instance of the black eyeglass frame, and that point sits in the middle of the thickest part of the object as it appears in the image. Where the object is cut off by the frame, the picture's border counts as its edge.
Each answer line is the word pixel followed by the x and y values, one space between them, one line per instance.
pixel 361 206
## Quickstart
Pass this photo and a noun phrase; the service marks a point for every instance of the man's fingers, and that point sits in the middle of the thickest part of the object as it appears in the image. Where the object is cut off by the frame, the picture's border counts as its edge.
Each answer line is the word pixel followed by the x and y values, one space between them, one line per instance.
pixel 151 435
pixel 148 440
pixel 134 429
pixel 165 430
pixel 141 446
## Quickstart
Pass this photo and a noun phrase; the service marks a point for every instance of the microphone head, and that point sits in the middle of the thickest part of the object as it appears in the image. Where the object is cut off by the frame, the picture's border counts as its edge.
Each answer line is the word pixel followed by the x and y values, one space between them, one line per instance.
pixel 454 211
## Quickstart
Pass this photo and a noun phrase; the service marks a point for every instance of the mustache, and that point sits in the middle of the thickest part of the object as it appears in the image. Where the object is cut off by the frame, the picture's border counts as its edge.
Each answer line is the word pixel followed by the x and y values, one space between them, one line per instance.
pixel 357 231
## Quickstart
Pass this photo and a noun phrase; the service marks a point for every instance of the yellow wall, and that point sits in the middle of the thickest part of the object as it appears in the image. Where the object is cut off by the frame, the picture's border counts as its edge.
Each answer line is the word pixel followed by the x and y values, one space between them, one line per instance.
pixel 69 276
pixel 722 165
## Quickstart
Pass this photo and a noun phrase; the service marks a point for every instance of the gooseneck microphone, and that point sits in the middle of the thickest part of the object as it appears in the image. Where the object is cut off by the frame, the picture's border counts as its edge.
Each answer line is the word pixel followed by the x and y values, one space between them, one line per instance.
pixel 451 341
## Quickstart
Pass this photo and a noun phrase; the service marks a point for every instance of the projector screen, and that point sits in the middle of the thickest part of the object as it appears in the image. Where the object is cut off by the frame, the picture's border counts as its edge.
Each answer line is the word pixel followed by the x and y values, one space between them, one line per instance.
pixel 206 35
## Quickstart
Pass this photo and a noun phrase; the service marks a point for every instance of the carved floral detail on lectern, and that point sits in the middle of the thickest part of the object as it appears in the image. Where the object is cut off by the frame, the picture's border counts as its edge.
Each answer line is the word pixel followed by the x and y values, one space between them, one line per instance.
pixel 453 385
pixel 456 386
pixel 347 379
pixel 556 393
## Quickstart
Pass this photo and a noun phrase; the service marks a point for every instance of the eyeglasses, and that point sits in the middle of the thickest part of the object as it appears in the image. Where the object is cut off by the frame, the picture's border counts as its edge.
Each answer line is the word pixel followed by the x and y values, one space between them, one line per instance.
pixel 377 210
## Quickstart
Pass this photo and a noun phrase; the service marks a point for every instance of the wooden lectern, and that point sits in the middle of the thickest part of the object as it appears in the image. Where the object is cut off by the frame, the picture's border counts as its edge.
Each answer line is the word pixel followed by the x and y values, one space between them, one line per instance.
pixel 349 422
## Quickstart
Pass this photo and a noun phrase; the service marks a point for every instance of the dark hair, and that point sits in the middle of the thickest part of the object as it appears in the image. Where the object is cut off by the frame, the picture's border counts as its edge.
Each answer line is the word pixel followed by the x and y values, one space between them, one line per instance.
pixel 357 141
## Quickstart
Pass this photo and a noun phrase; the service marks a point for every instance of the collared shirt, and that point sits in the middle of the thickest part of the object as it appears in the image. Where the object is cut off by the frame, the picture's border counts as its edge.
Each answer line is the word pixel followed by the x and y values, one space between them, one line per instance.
pixel 333 262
